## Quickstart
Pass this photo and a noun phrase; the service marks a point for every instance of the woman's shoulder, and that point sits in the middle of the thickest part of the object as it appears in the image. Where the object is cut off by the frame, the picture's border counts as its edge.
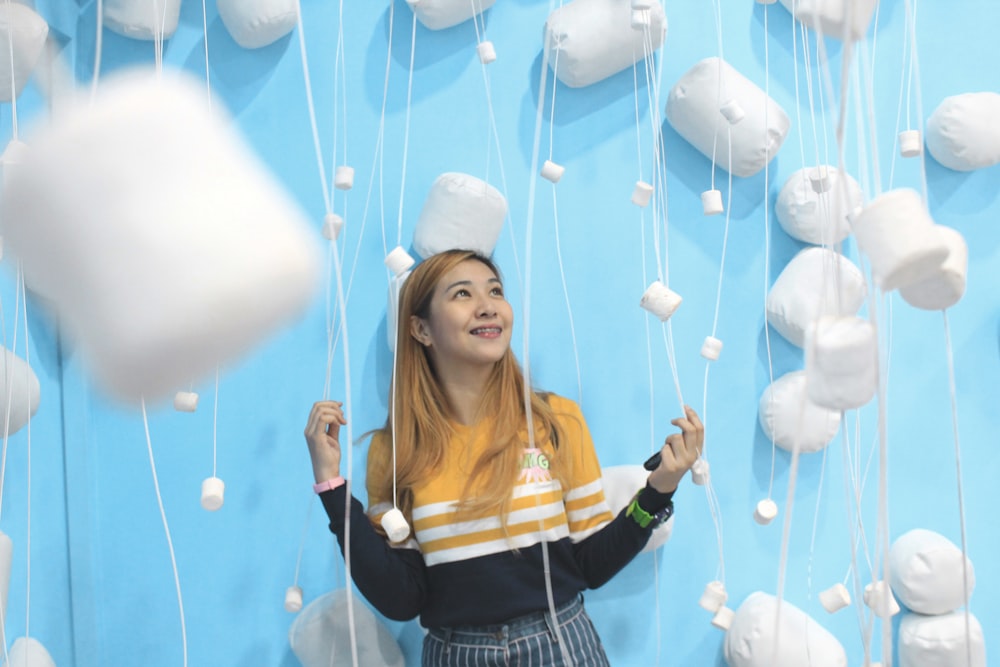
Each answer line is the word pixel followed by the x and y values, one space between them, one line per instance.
pixel 560 404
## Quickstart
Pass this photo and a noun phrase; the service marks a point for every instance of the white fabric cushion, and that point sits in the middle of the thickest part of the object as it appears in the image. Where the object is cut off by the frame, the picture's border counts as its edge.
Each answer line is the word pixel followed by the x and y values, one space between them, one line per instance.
pixel 926 574
pixel 28 652
pixel 962 133
pixel 164 244
pixel 22 36
pixel 801 640
pixel 818 218
pixel 833 17
pixel 24 394
pixel 142 19
pixel 257 23
pixel 694 110
pixel 946 286
pixel 441 14
pixel 841 362
pixel 590 40
pixel 320 635
pixel 940 641
pixel 620 485
pixel 786 414
pixel 807 289
pixel 461 211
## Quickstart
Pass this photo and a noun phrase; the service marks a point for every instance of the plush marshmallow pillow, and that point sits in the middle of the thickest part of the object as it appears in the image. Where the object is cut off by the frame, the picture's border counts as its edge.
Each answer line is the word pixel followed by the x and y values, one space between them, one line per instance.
pixel 807 289
pixel 818 217
pixel 841 362
pixel 142 19
pixel 22 39
pixel 696 106
pixel 28 652
pixel 164 244
pixel 962 133
pixel 941 641
pixel 19 389
pixel 946 285
pixel 257 23
pixel 461 211
pixel 590 40
pixel 441 14
pixel 834 18
pixel 926 572
pixel 620 484
pixel 320 635
pixel 787 415
pixel 750 640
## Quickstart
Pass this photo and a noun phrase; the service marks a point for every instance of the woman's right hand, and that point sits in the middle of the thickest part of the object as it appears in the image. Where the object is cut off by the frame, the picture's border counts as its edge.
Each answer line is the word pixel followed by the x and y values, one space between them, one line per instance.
pixel 323 437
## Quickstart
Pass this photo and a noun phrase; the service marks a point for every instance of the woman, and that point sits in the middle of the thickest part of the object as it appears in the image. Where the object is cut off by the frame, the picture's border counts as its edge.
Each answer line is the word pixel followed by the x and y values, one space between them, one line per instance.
pixel 492 510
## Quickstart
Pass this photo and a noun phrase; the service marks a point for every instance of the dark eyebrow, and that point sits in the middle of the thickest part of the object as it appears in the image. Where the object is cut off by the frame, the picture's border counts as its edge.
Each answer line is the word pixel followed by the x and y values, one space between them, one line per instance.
pixel 469 282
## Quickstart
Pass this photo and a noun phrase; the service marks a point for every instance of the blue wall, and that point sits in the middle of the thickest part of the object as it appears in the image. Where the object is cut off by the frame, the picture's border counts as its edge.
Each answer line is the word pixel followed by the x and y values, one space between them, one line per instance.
pixel 102 585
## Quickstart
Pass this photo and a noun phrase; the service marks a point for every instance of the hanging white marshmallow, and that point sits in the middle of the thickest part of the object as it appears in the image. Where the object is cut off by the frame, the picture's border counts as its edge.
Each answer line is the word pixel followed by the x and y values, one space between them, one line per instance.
pixel 693 107
pixel 642 4
pixel 879 598
pixel 6 560
pixel 946 286
pixel 642 193
pixel 28 652
pixel 20 392
pixel 487 52
pixel 321 635
pixel 723 618
pixel 552 171
pixel 344 178
pixel 142 19
pixel 293 599
pixel 816 216
pixel 711 348
pixel 660 300
pixel 140 217
pixel 213 492
pixel 640 19
pixel 835 598
pixel 441 14
pixel 333 224
pixel 787 416
pixel 840 19
pixel 256 23
pixel 941 641
pixel 399 261
pixel 962 133
pixel 392 307
pixel 711 202
pixel 897 233
pixel 733 112
pixel 816 282
pixel 185 401
pixel 841 362
pixel 22 39
pixel 910 143
pixel 754 640
pixel 819 178
pixel 460 211
pixel 927 572
pixel 590 40
pixel 765 511
pixel 713 597
pixel 700 472
pixel 395 525
pixel 620 484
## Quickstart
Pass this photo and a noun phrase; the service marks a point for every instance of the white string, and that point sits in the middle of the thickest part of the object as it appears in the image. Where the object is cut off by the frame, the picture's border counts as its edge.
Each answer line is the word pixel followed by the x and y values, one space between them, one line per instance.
pixel 406 130
pixel 13 79
pixel 98 48
pixel 215 426
pixel 27 398
pixel 767 236
pixel 312 109
pixel 208 75
pixel 302 541
pixel 9 384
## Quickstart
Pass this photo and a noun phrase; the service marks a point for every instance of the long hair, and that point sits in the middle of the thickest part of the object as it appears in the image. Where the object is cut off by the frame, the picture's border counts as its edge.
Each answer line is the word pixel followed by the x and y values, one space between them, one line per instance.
pixel 420 412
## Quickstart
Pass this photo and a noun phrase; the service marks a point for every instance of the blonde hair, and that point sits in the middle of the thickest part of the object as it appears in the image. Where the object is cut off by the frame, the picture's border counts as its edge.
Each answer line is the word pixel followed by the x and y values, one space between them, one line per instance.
pixel 421 411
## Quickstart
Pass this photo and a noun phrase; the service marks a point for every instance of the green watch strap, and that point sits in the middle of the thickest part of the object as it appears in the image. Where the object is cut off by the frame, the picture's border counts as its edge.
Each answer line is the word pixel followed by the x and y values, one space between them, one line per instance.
pixel 644 518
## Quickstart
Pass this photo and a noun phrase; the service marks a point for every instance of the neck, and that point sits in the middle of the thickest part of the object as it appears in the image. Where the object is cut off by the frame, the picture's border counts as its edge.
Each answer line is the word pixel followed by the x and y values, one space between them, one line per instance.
pixel 464 390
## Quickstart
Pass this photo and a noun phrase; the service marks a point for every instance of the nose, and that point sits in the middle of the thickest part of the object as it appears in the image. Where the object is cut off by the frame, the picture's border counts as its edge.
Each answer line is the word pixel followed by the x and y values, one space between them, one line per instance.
pixel 486 308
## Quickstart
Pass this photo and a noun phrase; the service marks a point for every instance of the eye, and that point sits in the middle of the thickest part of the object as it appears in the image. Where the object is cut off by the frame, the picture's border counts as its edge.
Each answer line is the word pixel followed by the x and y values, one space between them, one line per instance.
pixel 497 291
pixel 461 292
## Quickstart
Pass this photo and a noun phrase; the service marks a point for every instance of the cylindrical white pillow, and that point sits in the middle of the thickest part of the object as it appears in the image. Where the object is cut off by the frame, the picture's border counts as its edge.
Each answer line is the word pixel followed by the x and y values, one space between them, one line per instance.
pixel 807 289
pixel 941 641
pixel 620 484
pixel 441 14
pixel 926 573
pixel 834 17
pixel 142 19
pixel 694 109
pixel 841 362
pixel 946 286
pixel 22 37
pixel 320 635
pixel 461 211
pixel 787 415
pixel 257 23
pixel 24 394
pixel 29 652
pixel 962 133
pixel 750 640
pixel 590 40
pixel 820 218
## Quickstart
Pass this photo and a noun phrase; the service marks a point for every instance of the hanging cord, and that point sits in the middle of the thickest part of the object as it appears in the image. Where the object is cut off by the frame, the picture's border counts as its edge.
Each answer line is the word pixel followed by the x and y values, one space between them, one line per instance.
pixel 13 81
pixel 215 426
pixel 208 74
pixel 98 48
pixel 27 397
pixel 406 130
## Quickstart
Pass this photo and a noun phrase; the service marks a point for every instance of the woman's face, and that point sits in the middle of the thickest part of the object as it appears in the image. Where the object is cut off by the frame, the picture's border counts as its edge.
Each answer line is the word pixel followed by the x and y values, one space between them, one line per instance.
pixel 469 322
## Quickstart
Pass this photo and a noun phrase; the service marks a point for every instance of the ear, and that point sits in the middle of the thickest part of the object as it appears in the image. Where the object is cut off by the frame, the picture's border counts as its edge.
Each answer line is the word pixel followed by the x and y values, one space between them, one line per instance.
pixel 420 331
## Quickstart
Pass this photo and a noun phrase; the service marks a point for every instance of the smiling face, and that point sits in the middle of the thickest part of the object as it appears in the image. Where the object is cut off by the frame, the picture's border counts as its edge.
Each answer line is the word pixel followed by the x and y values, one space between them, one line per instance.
pixel 468 324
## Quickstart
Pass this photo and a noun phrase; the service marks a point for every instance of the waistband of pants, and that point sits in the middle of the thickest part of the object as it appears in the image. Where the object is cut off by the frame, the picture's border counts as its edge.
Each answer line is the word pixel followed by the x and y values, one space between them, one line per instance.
pixel 517 627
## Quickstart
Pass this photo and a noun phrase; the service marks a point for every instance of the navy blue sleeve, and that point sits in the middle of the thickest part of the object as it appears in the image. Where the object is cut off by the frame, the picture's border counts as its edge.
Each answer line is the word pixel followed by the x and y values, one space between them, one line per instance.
pixel 393 580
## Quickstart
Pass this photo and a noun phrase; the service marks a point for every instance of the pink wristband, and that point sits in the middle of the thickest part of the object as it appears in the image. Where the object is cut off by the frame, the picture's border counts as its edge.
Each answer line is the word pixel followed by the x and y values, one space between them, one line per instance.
pixel 329 484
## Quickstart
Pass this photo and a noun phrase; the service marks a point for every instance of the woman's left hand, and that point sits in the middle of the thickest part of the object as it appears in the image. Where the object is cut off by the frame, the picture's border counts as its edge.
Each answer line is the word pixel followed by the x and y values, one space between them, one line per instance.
pixel 679 452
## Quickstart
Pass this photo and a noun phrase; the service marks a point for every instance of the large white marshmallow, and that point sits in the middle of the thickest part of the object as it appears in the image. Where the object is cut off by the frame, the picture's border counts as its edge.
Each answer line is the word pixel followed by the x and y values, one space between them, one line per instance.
pixel 962 132
pixel 142 19
pixel 817 282
pixel 820 218
pixel 940 641
pixel 19 389
pixel 620 485
pixel 461 211
pixel 22 40
pixel 694 109
pixel 787 415
pixel 320 635
pixel 256 23
pixel 841 362
pixel 926 572
pixel 834 18
pixel 946 285
pixel 164 244
pixel 441 14
pixel 590 40
pixel 28 652
pixel 801 640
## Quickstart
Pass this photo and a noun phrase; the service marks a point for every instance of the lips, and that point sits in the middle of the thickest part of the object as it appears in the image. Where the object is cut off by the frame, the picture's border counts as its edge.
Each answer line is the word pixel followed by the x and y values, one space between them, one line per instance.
pixel 487 332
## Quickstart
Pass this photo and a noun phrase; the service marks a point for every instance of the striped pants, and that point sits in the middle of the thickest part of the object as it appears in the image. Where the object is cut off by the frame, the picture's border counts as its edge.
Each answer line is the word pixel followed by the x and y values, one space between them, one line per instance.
pixel 526 641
